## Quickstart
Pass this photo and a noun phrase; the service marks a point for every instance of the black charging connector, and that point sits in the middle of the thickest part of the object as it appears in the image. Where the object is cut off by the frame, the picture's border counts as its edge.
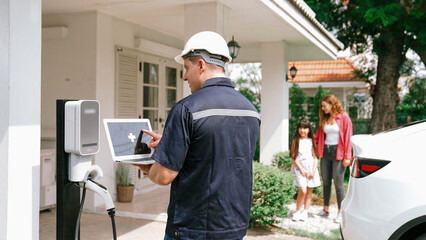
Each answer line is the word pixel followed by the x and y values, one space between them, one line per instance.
pixel 111 213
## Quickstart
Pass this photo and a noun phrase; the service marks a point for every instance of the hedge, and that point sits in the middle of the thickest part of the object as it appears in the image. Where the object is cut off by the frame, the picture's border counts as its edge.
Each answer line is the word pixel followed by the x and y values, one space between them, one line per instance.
pixel 273 188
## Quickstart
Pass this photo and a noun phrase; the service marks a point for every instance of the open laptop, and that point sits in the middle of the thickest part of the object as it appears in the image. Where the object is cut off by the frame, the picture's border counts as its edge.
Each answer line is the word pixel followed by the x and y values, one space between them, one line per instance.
pixel 127 142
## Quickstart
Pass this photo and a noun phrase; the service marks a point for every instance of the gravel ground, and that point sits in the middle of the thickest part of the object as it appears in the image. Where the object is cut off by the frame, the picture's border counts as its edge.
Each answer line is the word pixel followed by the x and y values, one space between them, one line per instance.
pixel 314 224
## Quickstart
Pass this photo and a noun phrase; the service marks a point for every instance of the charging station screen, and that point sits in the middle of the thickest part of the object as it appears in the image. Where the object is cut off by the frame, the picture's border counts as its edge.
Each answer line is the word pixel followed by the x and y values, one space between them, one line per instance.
pixel 89 135
pixel 124 136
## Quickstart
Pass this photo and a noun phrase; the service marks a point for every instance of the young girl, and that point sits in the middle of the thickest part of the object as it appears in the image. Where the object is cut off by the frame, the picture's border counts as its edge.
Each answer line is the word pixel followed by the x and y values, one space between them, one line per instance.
pixel 305 158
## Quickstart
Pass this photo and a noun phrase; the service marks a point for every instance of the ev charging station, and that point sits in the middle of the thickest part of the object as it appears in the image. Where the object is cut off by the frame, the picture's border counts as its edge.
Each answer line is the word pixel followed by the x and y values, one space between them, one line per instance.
pixel 77 136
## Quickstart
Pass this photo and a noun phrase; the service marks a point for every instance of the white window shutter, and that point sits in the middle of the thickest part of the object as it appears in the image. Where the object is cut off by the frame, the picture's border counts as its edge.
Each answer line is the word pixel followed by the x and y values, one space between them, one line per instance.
pixel 126 85
pixel 126 91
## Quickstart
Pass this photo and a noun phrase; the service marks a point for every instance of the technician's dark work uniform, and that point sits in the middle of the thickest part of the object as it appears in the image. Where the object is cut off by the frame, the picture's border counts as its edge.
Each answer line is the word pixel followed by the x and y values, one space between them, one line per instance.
pixel 210 139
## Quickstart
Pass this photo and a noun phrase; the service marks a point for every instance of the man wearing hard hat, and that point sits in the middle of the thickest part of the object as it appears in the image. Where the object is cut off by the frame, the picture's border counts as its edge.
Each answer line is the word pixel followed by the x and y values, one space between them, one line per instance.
pixel 207 148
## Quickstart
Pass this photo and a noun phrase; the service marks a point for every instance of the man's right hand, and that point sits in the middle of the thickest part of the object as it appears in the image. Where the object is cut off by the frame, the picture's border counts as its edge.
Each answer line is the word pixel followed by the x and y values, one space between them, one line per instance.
pixel 155 138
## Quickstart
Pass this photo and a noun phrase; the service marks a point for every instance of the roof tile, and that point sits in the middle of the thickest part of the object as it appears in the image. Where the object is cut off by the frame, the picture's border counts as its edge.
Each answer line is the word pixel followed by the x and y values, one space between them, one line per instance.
pixel 323 71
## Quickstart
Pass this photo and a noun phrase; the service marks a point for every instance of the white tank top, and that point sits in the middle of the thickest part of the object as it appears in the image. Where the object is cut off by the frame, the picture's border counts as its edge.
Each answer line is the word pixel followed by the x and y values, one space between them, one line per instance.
pixel 332 134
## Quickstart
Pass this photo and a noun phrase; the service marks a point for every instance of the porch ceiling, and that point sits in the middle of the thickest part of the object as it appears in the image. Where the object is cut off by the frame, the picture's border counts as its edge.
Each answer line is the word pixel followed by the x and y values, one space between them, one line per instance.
pixel 250 21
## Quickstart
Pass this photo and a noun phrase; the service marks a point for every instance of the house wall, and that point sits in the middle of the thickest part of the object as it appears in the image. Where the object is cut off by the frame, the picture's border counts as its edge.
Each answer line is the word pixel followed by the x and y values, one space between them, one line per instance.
pixel 82 66
pixel 68 67
pixel 112 32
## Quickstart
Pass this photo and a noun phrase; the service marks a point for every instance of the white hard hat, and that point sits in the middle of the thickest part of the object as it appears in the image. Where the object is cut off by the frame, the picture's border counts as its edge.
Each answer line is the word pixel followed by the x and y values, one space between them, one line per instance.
pixel 208 41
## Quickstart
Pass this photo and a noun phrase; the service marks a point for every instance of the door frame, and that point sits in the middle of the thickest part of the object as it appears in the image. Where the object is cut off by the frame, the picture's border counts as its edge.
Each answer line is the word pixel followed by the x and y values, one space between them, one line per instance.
pixel 163 63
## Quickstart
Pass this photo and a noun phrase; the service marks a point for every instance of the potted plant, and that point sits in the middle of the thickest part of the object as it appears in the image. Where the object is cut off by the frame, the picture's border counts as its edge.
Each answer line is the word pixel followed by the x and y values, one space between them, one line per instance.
pixel 124 187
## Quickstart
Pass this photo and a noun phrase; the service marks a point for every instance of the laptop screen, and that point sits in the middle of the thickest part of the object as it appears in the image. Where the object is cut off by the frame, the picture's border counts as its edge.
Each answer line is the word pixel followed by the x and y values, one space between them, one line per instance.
pixel 123 136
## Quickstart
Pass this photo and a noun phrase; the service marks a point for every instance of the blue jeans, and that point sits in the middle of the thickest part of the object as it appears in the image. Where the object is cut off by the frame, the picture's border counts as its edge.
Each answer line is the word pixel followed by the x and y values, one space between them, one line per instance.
pixel 167 237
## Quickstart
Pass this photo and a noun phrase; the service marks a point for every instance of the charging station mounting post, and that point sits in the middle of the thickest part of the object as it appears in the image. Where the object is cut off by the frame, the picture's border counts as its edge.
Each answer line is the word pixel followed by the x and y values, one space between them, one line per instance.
pixel 77 141
pixel 67 194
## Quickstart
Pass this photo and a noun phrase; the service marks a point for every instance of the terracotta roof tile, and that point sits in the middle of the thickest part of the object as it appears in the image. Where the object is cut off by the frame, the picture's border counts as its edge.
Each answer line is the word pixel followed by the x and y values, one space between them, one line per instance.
pixel 323 71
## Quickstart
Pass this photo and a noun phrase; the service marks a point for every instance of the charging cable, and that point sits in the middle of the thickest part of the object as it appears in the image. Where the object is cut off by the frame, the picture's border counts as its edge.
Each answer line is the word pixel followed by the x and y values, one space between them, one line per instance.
pixel 109 204
pixel 77 225
pixel 111 213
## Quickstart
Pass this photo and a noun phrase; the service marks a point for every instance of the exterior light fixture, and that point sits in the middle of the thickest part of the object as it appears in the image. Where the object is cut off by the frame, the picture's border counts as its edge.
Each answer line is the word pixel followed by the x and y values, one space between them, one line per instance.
pixel 293 72
pixel 234 48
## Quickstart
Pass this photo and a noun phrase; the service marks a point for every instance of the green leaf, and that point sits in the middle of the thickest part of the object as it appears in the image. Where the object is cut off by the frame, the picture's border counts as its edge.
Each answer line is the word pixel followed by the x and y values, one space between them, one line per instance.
pixel 384 16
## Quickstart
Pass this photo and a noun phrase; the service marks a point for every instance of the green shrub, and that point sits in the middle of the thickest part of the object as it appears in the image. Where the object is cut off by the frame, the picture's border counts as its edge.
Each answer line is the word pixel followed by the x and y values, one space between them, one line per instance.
pixel 272 189
pixel 282 160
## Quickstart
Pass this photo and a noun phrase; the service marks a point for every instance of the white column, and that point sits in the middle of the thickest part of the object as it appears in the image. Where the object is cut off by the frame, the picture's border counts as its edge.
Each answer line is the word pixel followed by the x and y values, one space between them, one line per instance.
pixel 20 81
pixel 274 102
pixel 207 16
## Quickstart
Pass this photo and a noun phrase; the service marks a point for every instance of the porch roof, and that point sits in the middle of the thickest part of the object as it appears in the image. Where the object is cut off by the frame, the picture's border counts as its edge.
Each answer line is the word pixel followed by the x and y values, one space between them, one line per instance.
pixel 252 22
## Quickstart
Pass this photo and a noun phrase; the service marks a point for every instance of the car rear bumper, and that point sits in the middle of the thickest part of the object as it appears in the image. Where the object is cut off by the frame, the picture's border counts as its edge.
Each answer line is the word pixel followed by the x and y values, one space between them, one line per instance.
pixel 356 226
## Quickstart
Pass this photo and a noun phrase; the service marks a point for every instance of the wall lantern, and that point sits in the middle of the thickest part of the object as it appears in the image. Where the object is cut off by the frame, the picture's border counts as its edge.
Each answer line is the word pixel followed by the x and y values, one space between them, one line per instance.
pixel 293 72
pixel 234 48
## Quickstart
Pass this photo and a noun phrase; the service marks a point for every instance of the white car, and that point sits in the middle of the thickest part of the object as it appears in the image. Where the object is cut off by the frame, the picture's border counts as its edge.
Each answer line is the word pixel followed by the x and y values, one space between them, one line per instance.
pixel 386 196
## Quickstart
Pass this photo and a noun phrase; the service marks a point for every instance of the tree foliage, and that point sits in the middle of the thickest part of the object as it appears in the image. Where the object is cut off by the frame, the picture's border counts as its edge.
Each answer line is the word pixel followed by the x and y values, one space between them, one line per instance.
pixel 251 96
pixel 413 106
pixel 356 21
pixel 314 114
pixel 297 111
pixel 249 85
pixel 299 101
pixel 249 81
pixel 391 27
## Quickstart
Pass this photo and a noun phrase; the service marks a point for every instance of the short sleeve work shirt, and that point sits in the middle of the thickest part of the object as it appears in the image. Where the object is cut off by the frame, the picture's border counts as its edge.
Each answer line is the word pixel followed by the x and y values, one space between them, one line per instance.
pixel 210 139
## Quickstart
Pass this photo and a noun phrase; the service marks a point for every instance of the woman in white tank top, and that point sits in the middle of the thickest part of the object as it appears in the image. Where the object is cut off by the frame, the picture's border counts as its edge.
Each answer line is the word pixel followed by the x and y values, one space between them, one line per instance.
pixel 334 149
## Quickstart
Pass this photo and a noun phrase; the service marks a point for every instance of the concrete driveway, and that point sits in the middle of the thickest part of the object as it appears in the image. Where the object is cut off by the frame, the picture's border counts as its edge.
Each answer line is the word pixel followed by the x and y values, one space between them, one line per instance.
pixel 142 219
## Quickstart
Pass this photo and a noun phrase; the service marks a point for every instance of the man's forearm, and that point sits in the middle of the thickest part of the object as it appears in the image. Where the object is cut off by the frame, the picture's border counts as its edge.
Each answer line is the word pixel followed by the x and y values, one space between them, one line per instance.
pixel 161 175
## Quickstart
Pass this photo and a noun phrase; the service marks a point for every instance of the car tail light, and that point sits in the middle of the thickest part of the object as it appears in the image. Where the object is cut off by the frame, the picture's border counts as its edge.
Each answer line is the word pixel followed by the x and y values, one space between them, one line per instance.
pixel 363 167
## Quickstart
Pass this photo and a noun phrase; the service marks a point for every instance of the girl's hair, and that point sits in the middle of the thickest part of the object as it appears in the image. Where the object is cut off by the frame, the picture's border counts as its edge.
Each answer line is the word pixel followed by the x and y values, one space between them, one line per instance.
pixel 336 108
pixel 294 149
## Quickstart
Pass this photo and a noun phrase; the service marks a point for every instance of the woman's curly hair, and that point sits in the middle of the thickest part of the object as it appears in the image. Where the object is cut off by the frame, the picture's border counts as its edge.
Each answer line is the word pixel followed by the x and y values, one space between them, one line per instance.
pixel 335 110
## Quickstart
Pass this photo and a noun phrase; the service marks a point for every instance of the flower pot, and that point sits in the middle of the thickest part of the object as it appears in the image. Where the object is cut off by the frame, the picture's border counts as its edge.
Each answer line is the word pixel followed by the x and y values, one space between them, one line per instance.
pixel 125 193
